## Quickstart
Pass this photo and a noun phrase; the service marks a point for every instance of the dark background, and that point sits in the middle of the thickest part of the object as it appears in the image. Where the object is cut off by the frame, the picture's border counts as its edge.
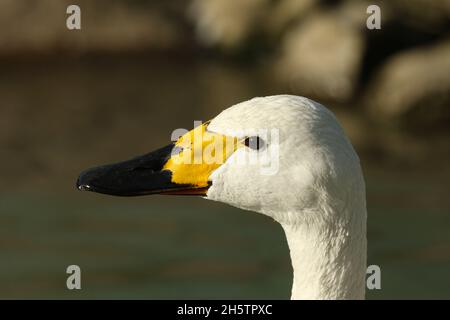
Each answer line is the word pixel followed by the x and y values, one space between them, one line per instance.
pixel 137 70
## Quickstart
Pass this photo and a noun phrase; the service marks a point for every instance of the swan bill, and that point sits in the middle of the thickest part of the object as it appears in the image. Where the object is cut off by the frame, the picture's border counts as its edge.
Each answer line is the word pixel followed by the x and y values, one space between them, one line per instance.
pixel 143 175
pixel 181 168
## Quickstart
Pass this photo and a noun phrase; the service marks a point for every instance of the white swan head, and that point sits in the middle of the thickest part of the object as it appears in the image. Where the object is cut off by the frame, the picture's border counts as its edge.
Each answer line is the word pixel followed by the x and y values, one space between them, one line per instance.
pixel 310 164
pixel 289 159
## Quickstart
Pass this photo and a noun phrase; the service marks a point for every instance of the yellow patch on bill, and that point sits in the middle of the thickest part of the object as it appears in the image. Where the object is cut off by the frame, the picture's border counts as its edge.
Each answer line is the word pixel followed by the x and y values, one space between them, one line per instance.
pixel 201 153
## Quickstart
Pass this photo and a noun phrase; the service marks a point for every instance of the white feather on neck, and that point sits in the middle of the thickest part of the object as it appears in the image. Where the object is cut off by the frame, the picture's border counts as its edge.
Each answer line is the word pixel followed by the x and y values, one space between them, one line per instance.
pixel 328 263
pixel 318 194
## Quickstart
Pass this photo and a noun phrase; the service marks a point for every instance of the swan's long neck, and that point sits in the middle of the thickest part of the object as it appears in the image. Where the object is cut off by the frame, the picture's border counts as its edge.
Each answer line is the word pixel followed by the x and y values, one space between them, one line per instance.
pixel 328 262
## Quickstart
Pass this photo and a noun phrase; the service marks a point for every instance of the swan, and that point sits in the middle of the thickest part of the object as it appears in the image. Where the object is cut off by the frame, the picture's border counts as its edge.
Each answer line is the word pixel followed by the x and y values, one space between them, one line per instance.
pixel 306 176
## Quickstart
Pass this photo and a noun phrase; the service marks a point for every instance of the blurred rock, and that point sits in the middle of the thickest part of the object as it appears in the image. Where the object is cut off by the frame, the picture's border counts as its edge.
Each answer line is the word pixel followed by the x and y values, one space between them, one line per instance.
pixel 40 26
pixel 357 128
pixel 226 23
pixel 287 12
pixel 321 57
pixel 423 14
pixel 413 87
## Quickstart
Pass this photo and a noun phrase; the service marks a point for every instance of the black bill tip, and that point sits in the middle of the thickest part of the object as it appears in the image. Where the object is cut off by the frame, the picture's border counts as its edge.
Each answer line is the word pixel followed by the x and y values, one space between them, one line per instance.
pixel 83 187
pixel 142 175
pixel 92 180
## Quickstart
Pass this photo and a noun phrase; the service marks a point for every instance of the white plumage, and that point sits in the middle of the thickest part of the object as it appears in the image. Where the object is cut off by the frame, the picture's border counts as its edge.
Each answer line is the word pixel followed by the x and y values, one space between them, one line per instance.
pixel 317 194
pixel 306 176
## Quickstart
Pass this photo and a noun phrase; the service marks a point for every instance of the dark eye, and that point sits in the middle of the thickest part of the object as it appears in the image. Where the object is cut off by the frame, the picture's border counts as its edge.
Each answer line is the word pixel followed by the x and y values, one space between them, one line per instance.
pixel 254 143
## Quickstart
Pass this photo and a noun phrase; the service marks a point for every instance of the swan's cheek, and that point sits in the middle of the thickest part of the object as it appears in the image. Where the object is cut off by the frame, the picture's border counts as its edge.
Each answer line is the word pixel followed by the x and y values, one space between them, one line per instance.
pixel 236 186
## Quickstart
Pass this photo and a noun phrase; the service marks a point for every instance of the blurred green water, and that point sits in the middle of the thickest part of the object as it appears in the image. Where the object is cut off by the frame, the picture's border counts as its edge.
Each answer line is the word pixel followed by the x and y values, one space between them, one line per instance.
pixel 180 247
pixel 59 118
pixel 154 248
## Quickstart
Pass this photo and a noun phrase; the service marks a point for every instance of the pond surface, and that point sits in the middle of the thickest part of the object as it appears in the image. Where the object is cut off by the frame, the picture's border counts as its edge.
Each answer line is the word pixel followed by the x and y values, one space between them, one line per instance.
pixel 179 247
pixel 58 118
